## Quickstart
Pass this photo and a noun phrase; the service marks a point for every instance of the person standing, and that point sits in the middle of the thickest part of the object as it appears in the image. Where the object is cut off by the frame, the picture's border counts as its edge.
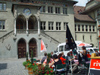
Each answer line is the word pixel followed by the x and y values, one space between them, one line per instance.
pixel 45 57
pixel 51 54
pixel 84 53
pixel 63 55
pixel 63 60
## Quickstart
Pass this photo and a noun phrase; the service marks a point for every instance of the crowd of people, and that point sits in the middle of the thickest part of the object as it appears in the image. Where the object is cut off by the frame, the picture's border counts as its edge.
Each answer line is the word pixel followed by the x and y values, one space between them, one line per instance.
pixel 70 58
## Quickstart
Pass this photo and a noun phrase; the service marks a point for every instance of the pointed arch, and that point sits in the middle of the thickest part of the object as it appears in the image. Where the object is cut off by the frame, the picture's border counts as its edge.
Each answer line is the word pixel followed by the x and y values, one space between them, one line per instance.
pixel 21 22
pixel 33 46
pixel 21 45
pixel 32 22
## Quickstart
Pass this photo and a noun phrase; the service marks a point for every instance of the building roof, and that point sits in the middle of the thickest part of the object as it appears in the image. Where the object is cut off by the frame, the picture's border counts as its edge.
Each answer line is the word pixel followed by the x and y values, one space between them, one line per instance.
pixel 92 8
pixel 78 9
pixel 80 17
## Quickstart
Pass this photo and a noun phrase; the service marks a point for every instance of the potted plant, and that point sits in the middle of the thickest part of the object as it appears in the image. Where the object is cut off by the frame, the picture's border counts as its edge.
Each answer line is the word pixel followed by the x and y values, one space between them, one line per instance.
pixel 35 67
pixel 26 63
pixel 30 70
pixel 44 70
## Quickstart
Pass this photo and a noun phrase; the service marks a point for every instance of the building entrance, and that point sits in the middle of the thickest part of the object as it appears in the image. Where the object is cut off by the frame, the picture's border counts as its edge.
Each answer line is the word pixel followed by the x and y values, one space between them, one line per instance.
pixel 32 46
pixel 21 48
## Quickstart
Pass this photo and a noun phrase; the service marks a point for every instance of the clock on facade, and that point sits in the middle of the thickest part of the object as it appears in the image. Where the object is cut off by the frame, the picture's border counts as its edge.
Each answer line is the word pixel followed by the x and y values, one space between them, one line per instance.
pixel 27 11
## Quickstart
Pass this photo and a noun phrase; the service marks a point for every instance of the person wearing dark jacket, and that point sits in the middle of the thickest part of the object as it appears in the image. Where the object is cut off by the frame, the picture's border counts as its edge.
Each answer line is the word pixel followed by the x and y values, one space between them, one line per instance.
pixel 45 57
pixel 56 61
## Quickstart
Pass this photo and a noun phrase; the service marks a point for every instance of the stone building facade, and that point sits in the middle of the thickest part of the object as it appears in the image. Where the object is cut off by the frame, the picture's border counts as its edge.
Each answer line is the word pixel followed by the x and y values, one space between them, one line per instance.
pixel 88 18
pixel 23 23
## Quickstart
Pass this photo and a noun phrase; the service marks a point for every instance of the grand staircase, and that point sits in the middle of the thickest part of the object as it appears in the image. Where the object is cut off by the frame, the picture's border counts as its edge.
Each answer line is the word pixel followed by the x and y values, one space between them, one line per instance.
pixel 5 36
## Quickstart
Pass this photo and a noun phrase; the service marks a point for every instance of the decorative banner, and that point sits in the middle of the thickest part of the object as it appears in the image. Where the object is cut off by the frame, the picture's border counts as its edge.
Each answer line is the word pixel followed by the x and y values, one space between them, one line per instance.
pixel 94 67
pixel 43 47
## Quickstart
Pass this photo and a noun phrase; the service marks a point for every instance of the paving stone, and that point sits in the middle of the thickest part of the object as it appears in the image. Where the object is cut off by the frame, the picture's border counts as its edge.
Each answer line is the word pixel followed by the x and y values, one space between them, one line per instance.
pixel 12 67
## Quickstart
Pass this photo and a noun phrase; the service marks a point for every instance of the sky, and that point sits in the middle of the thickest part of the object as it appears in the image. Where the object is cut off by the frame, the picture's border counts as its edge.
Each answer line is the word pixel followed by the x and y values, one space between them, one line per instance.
pixel 81 2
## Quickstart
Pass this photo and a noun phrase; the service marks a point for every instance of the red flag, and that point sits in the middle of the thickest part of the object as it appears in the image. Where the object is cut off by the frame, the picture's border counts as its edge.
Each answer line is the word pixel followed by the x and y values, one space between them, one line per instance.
pixel 43 48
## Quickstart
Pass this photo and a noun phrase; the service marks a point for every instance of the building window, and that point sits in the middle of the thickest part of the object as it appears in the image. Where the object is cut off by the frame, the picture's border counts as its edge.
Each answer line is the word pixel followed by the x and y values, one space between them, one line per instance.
pixel 83 38
pixel 78 27
pixel 2 6
pixel 42 9
pixel 58 25
pixel 91 38
pixel 65 23
pixel 64 10
pixel 50 25
pixel 86 28
pixel 75 27
pixel 2 24
pixel 75 37
pixel 93 28
pixel 90 28
pixel 42 25
pixel 57 10
pixel 50 9
pixel 82 27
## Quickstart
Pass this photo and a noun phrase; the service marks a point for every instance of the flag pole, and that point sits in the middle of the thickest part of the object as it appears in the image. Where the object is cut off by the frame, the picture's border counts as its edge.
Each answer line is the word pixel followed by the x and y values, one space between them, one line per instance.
pixel 70 43
pixel 71 64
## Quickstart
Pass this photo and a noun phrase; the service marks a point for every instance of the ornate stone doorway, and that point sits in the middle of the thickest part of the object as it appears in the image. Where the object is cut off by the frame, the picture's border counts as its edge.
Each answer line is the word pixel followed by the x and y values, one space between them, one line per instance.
pixel 32 46
pixel 21 48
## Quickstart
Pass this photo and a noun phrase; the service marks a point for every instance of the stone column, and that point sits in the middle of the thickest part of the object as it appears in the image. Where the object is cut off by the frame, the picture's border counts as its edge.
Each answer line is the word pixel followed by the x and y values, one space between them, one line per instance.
pixel 27 49
pixel 55 25
pixel 15 26
pixel 61 10
pixel 46 9
pixel 27 26
pixel 38 25
pixel 53 9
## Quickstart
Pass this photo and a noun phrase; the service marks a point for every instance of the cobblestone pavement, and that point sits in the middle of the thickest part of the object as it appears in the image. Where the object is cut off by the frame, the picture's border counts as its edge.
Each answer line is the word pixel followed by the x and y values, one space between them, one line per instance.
pixel 15 67
pixel 12 67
